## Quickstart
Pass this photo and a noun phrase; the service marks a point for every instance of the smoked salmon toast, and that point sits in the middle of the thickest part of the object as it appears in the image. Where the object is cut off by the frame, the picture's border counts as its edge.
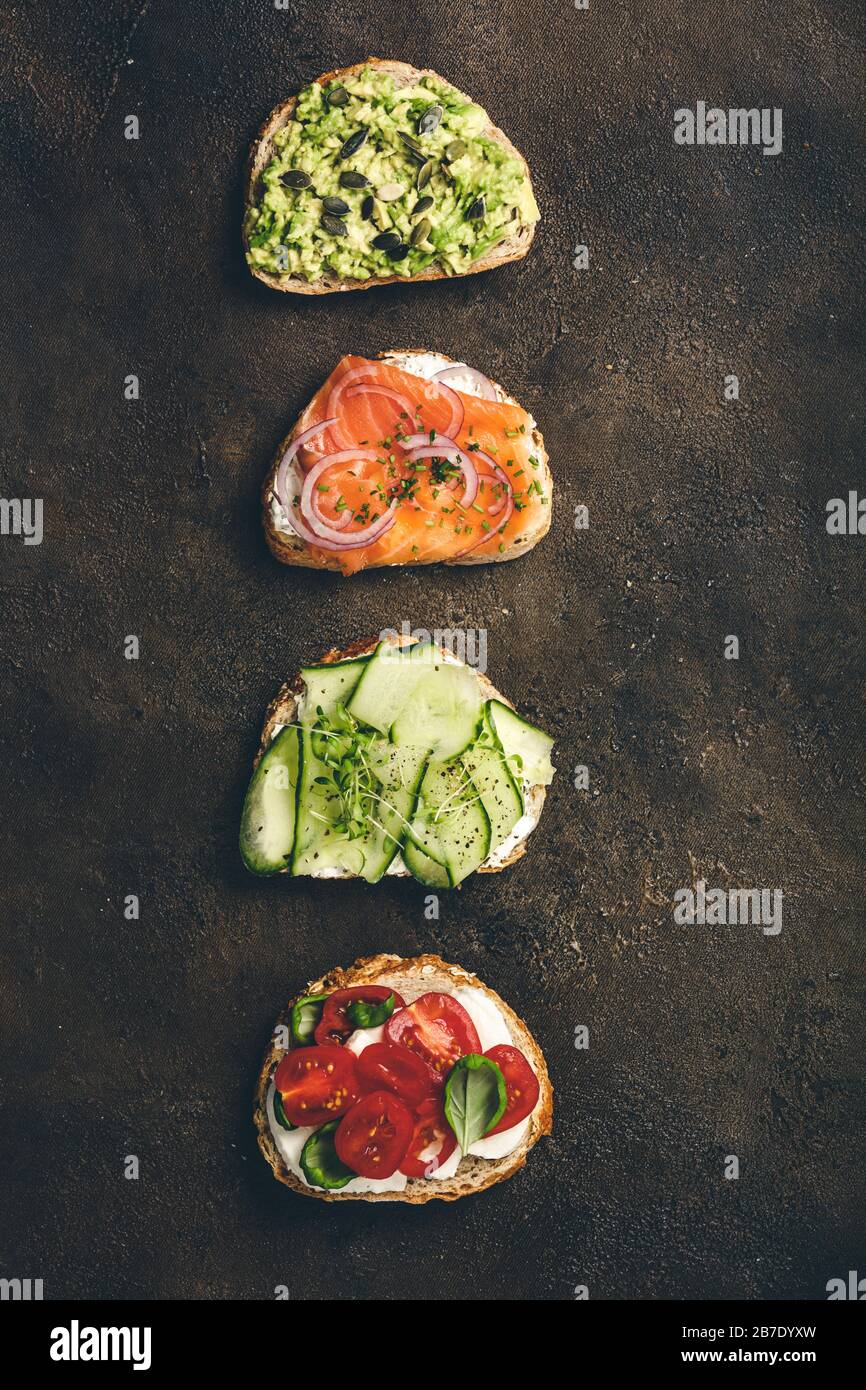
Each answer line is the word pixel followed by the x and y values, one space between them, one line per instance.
pixel 411 459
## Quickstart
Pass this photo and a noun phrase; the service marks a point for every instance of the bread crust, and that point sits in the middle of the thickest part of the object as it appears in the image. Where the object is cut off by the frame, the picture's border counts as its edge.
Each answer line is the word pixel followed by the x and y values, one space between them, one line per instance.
pixel 433 973
pixel 294 550
pixel 283 710
pixel 512 248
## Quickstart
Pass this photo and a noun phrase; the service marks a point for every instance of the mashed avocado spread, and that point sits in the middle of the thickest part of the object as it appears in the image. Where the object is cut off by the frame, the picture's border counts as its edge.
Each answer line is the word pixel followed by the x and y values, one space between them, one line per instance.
pixel 370 179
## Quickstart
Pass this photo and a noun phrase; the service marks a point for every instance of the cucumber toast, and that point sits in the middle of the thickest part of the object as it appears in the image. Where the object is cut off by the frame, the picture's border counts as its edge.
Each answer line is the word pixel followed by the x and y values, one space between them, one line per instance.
pixel 393 757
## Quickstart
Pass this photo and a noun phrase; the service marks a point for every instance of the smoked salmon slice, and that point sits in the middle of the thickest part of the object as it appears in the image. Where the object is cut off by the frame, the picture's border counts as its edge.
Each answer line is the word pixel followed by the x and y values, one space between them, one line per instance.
pixel 410 471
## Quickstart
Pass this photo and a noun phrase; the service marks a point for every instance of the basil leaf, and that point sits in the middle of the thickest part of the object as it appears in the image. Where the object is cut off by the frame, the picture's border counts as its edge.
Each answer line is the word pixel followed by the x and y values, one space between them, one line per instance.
pixel 363 1015
pixel 319 1162
pixel 280 1114
pixel 475 1098
pixel 305 1017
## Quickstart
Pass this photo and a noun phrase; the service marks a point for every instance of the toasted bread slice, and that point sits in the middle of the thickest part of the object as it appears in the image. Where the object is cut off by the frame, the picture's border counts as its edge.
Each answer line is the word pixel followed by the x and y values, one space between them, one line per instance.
pixel 291 549
pixel 262 150
pixel 412 978
pixel 284 708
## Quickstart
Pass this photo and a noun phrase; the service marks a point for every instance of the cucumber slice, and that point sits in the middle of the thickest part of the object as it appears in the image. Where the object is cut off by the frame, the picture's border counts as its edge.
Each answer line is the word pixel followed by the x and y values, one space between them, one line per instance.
pixel 388 681
pixel 318 845
pixel 443 714
pixel 329 685
pixel 527 748
pixel 321 847
pixel 269 817
pixel 396 810
pixel 422 836
pixel 423 868
pixel 396 768
pixel 500 795
pixel 451 820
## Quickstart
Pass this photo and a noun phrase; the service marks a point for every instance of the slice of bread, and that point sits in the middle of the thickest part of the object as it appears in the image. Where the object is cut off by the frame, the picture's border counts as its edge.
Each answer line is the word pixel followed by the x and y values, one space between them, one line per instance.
pixel 262 150
pixel 291 549
pixel 412 978
pixel 284 708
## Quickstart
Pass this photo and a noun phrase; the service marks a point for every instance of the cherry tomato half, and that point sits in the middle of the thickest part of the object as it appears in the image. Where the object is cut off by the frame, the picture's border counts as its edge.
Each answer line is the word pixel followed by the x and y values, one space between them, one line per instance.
pixel 437 1029
pixel 382 1066
pixel 335 1025
pixel 317 1084
pixel 521 1086
pixel 373 1137
pixel 433 1140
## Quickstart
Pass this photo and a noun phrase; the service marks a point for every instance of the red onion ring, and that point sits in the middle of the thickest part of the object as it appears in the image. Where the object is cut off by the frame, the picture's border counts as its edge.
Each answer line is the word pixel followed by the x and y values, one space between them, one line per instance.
pixel 311 538
pixel 485 458
pixel 323 530
pixel 498 503
pixel 500 525
pixel 371 388
pixel 339 523
pixel 288 457
pixel 347 542
pixel 304 527
pixel 458 412
pixel 486 389
pixel 342 385
pixel 455 454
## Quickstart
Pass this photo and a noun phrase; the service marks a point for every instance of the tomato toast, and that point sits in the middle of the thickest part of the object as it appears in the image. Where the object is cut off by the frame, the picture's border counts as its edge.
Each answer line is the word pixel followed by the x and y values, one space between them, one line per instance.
pixel 378 1078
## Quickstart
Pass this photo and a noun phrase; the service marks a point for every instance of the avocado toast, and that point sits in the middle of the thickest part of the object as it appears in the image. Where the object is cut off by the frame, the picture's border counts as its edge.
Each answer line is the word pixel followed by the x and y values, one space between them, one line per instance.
pixel 382 172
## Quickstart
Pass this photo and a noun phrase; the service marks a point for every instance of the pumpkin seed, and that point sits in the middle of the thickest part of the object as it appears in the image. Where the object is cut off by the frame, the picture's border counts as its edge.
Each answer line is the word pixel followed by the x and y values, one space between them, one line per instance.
pixel 425 173
pixel 477 210
pixel 335 206
pixel 413 149
pixel 387 241
pixel 429 120
pixel 421 231
pixel 367 207
pixel 349 179
pixel 296 178
pixel 354 143
pixel 389 192
pixel 422 205
pixel 456 150
pixel 399 253
pixel 335 225
pixel 337 96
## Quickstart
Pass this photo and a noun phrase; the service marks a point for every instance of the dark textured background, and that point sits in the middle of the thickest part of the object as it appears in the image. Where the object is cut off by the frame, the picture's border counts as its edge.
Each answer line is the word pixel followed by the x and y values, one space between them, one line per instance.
pixel 707 519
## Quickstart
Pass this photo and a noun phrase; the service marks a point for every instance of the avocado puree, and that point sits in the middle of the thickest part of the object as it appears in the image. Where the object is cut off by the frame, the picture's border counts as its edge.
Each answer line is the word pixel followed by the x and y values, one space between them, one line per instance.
pixel 370 180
